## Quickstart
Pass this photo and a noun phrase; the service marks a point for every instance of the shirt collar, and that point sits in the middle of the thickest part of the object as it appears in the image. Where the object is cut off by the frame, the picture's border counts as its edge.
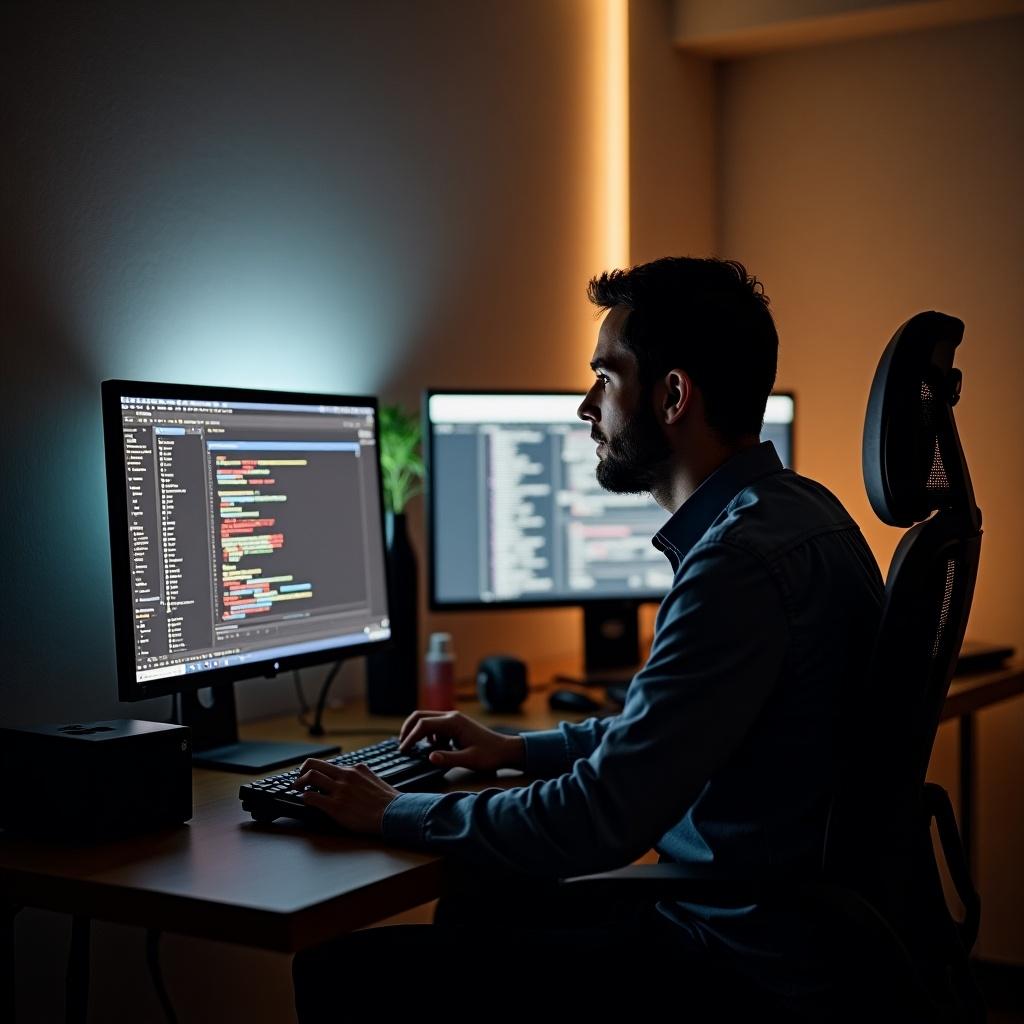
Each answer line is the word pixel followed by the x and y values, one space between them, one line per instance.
pixel 691 520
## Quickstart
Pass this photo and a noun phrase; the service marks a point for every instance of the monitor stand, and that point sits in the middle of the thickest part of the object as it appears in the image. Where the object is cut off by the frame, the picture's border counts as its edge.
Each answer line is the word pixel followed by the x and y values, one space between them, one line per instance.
pixel 611 644
pixel 215 742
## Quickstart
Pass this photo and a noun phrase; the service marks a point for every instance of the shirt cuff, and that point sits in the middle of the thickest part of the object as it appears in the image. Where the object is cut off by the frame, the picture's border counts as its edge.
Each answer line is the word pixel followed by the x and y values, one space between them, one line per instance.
pixel 547 752
pixel 405 817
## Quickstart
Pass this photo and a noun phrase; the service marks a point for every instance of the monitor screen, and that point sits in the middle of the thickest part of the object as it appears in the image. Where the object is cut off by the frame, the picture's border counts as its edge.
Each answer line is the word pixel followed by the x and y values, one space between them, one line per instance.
pixel 517 516
pixel 246 532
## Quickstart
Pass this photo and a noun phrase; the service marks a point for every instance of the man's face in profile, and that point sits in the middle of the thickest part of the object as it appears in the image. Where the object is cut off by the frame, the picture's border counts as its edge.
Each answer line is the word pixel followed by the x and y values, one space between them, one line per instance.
pixel 632 449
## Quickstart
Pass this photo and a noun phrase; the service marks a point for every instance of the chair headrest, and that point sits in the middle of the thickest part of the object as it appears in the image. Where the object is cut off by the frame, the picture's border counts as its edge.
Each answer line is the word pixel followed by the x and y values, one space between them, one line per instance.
pixel 912 460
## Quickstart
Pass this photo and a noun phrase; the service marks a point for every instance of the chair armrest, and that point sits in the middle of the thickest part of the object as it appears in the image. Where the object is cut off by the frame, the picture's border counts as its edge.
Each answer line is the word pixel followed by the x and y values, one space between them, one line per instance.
pixel 852 925
pixel 937 805
pixel 706 885
pixel 853 920
pixel 686 883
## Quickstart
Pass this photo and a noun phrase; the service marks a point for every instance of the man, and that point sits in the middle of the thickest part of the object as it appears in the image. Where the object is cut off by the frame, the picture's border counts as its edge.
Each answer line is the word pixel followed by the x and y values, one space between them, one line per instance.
pixel 723 751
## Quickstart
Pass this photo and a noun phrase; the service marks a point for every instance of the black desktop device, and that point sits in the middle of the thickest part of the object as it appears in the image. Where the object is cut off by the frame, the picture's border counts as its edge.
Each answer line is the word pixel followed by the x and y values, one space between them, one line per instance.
pixel 87 780
pixel 247 539
pixel 517 519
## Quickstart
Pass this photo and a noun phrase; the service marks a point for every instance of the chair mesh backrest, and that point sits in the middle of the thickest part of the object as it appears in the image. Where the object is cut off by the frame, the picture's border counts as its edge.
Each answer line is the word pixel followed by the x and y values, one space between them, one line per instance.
pixel 927 601
pixel 915 475
pixel 944 608
pixel 937 482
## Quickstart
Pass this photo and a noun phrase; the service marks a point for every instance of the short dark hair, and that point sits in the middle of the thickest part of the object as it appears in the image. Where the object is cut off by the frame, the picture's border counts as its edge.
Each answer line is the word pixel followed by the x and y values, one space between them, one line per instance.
pixel 708 317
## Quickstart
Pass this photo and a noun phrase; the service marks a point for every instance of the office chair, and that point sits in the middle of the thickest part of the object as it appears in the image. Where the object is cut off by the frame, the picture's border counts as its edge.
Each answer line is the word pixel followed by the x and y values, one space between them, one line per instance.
pixel 878 893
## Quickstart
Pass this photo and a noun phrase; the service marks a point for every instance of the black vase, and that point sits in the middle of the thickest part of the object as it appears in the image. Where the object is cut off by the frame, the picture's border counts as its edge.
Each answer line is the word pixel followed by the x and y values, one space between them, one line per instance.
pixel 392 675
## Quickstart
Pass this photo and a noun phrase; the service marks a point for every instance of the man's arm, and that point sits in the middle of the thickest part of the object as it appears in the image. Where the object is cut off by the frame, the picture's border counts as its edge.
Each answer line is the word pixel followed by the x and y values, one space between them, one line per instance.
pixel 720 643
pixel 554 751
pixel 356 798
pixel 543 753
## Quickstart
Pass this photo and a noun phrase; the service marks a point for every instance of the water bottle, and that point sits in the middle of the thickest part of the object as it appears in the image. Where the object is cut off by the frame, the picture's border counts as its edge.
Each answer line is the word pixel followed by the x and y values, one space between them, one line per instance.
pixel 439 678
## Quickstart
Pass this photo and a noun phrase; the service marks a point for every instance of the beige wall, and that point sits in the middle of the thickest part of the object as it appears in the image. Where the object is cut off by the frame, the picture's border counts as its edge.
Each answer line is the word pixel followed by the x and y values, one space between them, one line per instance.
pixel 865 182
pixel 672 173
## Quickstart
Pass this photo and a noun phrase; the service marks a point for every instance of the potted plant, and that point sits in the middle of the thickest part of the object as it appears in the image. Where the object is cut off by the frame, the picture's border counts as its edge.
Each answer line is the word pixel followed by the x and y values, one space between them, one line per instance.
pixel 401 458
pixel 392 674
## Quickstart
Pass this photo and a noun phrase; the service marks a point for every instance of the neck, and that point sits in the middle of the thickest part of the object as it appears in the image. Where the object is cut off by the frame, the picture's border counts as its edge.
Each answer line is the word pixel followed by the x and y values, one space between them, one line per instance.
pixel 693 466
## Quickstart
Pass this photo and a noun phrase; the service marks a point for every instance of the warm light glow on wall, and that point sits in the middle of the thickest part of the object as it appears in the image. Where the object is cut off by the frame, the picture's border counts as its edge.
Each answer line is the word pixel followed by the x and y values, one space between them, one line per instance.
pixel 604 157
pixel 614 93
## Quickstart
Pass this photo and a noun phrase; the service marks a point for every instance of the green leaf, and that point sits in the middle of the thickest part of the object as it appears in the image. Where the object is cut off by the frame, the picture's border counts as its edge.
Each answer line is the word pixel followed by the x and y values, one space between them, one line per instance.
pixel 401 459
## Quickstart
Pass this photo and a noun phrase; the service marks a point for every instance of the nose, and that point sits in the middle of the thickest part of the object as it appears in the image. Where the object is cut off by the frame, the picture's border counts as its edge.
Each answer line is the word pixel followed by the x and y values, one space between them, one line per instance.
pixel 588 409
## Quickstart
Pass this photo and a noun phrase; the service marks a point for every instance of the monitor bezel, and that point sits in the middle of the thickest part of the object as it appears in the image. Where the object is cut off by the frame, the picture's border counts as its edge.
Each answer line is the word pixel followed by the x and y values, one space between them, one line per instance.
pixel 437 605
pixel 117 503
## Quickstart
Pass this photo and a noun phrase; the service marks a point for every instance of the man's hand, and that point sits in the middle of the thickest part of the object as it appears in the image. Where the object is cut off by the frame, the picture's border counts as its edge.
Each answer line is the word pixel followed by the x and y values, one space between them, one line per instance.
pixel 477 747
pixel 353 797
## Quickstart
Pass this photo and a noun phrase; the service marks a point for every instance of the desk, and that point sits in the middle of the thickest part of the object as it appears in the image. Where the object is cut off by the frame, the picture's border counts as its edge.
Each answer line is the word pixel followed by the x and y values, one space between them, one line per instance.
pixel 205 878
pixel 967 694
pixel 209 878
pixel 280 887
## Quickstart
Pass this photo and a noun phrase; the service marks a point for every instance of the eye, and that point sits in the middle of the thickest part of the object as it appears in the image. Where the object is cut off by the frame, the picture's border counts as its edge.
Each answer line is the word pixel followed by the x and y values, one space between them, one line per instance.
pixel 602 378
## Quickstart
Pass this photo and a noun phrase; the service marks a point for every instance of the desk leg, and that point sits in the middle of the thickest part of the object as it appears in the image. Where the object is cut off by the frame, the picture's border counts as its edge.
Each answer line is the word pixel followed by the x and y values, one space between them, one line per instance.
pixel 967 786
pixel 8 1008
pixel 76 999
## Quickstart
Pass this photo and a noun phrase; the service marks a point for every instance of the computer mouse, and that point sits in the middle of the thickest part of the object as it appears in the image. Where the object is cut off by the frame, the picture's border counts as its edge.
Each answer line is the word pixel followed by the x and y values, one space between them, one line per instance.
pixel 571 700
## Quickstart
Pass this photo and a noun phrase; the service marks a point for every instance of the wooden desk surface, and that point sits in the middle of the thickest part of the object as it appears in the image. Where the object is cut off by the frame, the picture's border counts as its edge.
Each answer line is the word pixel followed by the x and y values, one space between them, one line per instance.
pixel 281 887
pixel 222 876
pixel 969 693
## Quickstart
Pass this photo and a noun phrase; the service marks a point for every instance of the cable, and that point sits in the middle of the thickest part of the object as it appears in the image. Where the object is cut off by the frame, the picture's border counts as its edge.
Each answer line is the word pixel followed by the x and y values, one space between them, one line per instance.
pixel 300 694
pixel 153 963
pixel 317 728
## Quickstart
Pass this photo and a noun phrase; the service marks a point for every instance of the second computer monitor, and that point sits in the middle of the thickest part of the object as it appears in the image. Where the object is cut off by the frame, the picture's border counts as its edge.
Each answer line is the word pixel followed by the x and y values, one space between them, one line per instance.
pixel 517 517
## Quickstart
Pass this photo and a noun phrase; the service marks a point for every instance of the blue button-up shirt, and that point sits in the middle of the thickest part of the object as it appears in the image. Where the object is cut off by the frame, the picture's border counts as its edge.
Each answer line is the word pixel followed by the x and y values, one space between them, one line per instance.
pixel 724 750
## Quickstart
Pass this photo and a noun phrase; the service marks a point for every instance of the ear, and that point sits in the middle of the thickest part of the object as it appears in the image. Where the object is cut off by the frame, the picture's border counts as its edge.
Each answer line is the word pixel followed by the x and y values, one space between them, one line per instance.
pixel 679 395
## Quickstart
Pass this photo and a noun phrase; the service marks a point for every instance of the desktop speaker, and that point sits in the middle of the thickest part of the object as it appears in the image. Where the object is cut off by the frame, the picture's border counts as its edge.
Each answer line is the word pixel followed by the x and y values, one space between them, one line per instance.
pixel 501 683
pixel 93 779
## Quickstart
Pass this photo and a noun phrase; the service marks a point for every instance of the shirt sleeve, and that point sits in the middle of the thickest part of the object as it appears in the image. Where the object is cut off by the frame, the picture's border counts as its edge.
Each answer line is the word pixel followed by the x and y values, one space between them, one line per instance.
pixel 720 642
pixel 553 751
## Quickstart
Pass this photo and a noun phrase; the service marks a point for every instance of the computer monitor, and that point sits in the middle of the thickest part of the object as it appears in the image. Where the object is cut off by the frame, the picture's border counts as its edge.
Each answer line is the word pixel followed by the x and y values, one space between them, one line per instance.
pixel 246 539
pixel 517 519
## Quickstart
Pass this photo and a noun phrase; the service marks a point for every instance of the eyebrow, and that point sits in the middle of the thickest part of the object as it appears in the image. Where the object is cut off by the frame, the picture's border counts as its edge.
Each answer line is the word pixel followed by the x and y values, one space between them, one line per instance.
pixel 600 364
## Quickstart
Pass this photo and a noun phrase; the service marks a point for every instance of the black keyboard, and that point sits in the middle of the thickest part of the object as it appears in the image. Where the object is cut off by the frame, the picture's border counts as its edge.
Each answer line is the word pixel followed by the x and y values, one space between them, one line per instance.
pixel 277 796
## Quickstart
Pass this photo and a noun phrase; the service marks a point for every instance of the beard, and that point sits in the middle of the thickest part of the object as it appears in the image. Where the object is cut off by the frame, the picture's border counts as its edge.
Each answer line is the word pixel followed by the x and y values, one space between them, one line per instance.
pixel 636 459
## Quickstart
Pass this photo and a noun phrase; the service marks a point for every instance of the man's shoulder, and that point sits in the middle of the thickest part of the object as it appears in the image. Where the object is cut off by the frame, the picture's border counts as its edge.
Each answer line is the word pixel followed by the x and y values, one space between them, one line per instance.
pixel 777 512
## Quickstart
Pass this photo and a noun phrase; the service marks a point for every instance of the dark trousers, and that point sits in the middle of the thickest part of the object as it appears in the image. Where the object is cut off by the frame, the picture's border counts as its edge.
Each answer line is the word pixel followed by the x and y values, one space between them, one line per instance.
pixel 504 943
